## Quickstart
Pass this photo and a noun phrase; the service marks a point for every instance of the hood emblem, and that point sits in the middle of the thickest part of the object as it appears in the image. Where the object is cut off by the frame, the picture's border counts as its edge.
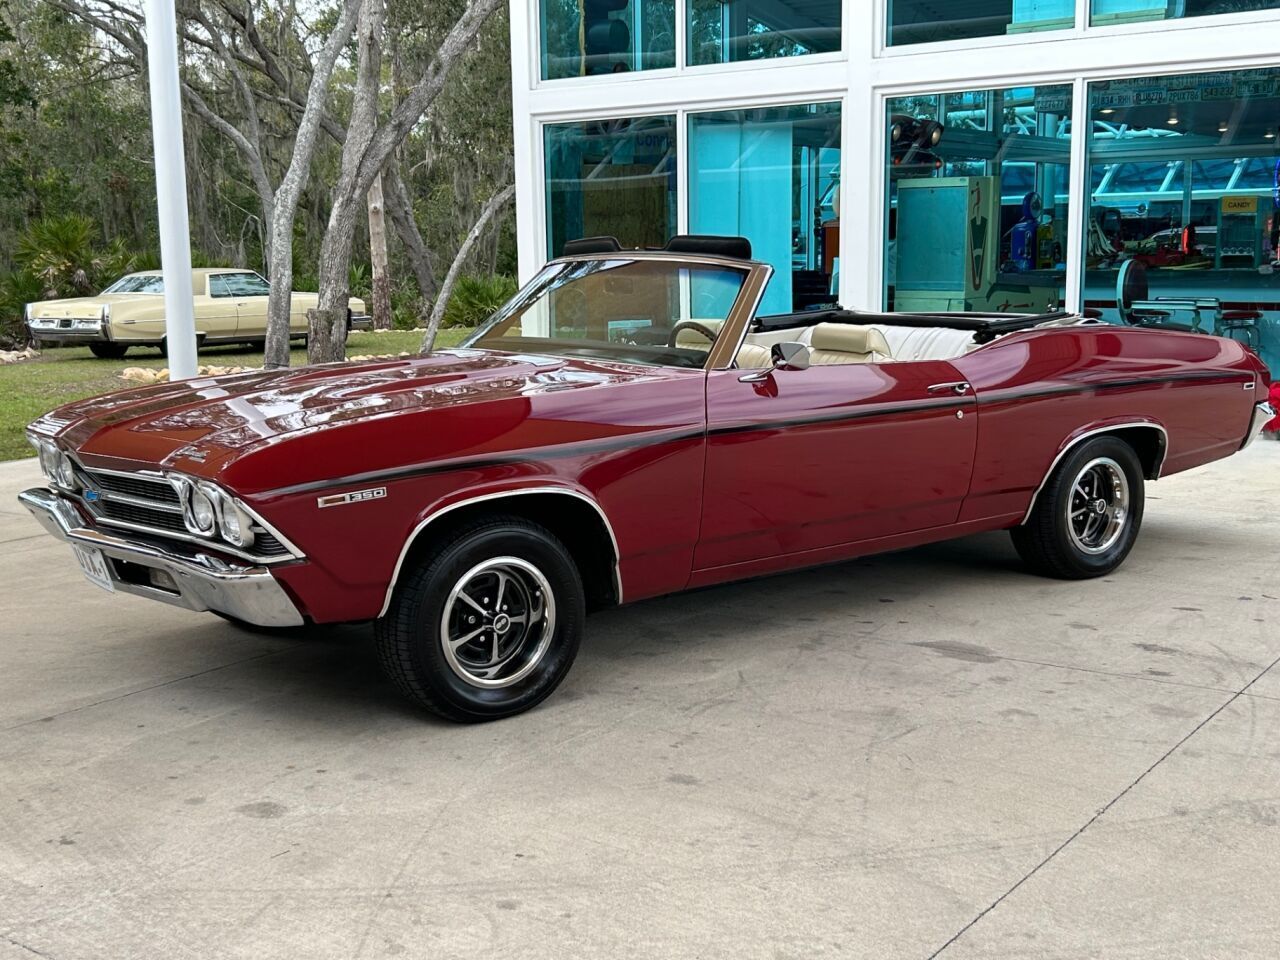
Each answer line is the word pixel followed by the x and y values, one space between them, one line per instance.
pixel 199 456
pixel 354 496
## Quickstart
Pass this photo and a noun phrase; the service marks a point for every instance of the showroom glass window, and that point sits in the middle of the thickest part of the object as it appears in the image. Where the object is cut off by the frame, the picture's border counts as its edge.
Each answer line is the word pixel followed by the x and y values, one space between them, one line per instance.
pixel 931 21
pixel 583 38
pixel 1109 12
pixel 772 175
pixel 1185 178
pixel 977 200
pixel 728 31
pixel 611 177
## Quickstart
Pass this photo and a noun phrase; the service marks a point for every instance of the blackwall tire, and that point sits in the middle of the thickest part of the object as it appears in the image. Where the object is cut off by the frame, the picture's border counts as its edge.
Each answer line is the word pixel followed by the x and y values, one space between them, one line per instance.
pixel 486 626
pixel 108 351
pixel 1087 517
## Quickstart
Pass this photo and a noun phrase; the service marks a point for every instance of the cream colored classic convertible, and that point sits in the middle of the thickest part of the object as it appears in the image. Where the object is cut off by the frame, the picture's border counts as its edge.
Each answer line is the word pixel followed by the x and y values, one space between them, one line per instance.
pixel 230 306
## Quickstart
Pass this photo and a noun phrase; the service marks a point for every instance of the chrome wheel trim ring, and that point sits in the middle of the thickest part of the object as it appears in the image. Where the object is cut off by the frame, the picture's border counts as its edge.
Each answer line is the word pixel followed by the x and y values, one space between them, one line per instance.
pixel 1097 507
pixel 498 622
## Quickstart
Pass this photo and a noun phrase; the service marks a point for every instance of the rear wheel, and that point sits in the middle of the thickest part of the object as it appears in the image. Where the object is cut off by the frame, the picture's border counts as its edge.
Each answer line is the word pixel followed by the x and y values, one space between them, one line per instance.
pixel 108 351
pixel 487 625
pixel 1086 519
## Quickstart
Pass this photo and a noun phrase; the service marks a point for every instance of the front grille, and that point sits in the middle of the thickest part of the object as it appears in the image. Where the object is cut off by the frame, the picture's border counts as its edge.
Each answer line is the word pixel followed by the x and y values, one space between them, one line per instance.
pixel 153 504
pixel 144 488
pixel 145 516
pixel 267 545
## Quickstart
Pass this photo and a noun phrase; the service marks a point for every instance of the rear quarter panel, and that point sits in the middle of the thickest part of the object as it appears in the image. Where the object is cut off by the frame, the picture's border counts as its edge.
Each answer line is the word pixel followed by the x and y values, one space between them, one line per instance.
pixel 1040 390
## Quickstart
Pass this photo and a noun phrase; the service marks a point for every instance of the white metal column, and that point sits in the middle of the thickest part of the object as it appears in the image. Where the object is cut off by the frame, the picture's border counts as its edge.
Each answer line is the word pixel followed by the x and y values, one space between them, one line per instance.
pixel 171 187
pixel 1077 197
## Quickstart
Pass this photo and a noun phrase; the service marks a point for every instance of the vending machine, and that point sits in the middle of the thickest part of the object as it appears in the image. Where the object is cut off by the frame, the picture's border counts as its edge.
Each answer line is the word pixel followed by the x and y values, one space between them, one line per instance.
pixel 948 243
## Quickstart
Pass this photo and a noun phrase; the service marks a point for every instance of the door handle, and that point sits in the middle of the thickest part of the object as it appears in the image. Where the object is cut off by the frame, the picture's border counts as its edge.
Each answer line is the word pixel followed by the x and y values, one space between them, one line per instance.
pixel 959 388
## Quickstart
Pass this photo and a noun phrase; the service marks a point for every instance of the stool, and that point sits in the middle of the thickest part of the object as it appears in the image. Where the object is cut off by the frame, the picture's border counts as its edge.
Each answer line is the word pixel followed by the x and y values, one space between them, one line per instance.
pixel 1235 322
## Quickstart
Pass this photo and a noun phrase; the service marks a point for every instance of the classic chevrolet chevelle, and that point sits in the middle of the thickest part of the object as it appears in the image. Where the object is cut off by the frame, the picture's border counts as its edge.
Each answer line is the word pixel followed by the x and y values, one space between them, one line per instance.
pixel 230 307
pixel 627 426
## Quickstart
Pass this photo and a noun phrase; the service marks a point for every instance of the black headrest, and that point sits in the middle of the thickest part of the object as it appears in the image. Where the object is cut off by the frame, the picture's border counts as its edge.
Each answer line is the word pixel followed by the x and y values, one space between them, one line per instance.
pixel 739 247
pixel 574 248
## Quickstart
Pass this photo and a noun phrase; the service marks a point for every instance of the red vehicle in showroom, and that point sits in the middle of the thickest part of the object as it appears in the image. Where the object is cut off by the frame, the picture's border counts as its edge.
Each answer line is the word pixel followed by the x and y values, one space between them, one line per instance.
pixel 627 426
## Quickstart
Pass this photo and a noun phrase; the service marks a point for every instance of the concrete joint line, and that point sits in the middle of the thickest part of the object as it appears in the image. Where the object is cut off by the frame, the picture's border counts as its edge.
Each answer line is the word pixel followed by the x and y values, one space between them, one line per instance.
pixel 1097 816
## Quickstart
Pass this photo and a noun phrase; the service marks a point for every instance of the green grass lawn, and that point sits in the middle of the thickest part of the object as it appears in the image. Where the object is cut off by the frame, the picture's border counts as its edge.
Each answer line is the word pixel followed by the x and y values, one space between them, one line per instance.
pixel 34 387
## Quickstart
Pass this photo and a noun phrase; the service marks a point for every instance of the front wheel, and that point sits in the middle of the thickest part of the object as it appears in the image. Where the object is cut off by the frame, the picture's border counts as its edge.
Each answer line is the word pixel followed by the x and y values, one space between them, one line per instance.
pixel 108 351
pixel 1087 517
pixel 487 625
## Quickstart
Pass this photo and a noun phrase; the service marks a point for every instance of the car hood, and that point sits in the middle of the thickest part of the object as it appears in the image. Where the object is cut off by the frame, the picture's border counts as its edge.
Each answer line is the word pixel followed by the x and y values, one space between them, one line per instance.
pixel 199 425
pixel 87 306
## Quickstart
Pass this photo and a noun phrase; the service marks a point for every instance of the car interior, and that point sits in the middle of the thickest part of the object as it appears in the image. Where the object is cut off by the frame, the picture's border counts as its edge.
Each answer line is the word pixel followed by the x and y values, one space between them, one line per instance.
pixel 833 335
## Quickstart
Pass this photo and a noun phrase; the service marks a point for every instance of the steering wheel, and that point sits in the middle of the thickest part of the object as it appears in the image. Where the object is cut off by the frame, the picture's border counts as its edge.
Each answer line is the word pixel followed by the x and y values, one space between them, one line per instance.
pixel 694 325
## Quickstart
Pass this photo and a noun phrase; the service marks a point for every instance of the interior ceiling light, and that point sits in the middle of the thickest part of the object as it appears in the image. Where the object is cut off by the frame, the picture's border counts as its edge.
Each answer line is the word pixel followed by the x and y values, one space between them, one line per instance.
pixel 1173 121
pixel 1222 127
pixel 1269 135
pixel 1107 110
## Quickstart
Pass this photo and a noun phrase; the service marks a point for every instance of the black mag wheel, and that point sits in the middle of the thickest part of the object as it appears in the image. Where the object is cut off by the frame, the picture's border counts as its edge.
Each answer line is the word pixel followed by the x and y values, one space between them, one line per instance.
pixel 1086 519
pixel 487 625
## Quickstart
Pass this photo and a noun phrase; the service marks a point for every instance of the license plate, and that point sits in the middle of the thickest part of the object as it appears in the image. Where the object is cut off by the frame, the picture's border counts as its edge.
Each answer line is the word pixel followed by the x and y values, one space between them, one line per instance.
pixel 94 565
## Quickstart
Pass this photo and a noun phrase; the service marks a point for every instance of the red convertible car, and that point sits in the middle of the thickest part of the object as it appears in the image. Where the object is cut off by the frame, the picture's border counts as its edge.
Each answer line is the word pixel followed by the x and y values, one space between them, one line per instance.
pixel 627 426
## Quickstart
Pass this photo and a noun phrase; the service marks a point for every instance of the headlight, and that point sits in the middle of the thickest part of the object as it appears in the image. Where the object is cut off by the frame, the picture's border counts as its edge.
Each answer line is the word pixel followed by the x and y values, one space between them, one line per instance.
pixel 234 524
pixel 209 511
pixel 47 455
pixel 65 472
pixel 54 464
pixel 202 512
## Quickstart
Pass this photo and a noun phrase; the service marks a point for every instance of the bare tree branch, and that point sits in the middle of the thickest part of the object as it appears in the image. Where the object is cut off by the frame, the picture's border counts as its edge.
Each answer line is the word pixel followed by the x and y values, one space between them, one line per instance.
pixel 495 203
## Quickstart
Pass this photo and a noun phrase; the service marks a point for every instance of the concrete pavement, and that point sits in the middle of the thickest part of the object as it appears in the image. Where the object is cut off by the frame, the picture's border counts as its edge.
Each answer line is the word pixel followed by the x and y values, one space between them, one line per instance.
pixel 911 755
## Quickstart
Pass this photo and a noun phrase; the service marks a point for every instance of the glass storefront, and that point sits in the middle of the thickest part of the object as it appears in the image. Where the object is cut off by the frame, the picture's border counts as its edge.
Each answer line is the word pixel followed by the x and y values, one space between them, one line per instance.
pixel 727 31
pixel 1110 12
pixel 934 21
pixel 1185 180
pixel 772 175
pixel 611 177
pixel 589 37
pixel 977 200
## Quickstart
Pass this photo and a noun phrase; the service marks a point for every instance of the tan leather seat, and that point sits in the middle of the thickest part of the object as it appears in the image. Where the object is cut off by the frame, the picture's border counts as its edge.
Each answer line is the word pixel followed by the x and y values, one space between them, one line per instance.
pixel 692 339
pixel 832 343
pixel 753 356
pixel 927 343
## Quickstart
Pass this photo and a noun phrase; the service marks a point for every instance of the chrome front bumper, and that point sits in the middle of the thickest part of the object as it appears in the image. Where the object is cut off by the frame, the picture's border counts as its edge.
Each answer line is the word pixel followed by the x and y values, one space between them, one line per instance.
pixel 200 582
pixel 66 334
pixel 1263 413
pixel 360 321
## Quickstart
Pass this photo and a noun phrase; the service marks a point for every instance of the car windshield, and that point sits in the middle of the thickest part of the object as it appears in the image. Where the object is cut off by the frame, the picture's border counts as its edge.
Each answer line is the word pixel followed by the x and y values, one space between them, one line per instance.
pixel 138 283
pixel 651 311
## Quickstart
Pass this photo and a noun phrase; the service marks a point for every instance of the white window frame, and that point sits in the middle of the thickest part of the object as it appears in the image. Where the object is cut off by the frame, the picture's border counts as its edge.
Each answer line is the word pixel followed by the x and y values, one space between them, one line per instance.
pixel 863 76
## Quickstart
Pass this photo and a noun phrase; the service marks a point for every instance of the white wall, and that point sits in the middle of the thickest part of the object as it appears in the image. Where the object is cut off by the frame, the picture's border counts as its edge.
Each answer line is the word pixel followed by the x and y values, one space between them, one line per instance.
pixel 863 76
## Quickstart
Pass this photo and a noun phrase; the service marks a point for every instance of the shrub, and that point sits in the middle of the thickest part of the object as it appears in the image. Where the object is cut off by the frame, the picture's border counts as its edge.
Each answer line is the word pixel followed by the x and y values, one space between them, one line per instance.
pixel 17 289
pixel 475 298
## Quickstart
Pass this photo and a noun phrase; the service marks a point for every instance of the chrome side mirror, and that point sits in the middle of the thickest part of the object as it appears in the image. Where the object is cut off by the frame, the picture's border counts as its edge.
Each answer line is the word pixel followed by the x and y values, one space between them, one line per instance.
pixel 788 355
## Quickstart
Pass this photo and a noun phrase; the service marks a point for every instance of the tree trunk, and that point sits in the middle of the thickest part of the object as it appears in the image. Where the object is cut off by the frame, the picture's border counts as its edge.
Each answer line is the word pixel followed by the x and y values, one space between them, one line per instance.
pixel 280 229
pixel 328 322
pixel 496 203
pixel 378 258
pixel 400 209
